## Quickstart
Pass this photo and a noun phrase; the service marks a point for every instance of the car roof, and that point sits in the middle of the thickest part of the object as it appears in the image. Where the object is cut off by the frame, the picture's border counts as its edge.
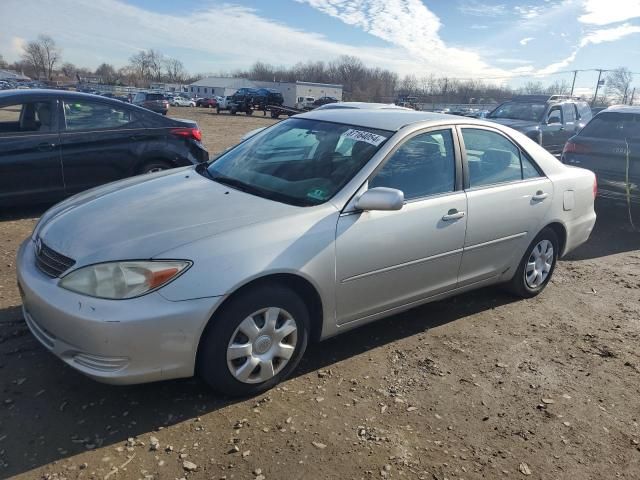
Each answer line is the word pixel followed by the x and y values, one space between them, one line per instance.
pixel 386 119
pixel 360 105
pixel 622 109
pixel 40 92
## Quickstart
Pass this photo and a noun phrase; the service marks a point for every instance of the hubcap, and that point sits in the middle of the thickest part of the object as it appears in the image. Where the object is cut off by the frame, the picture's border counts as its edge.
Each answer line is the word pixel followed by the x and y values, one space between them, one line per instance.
pixel 262 345
pixel 539 264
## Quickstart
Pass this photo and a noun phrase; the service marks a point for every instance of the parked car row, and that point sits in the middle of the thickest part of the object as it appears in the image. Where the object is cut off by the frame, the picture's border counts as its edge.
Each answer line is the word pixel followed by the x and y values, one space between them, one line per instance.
pixel 57 143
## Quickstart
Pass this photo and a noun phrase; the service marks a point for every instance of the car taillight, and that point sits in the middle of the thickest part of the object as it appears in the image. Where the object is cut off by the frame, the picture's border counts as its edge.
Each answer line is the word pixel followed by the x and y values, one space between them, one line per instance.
pixel 595 186
pixel 572 147
pixel 194 133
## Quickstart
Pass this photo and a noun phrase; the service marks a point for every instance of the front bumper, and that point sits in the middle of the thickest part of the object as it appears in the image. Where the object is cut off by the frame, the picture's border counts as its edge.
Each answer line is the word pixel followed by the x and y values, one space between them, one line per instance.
pixel 139 340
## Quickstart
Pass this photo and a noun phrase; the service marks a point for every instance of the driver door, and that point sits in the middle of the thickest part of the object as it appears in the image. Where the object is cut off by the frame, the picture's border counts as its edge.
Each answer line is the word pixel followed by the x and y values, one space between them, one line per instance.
pixel 553 135
pixel 387 259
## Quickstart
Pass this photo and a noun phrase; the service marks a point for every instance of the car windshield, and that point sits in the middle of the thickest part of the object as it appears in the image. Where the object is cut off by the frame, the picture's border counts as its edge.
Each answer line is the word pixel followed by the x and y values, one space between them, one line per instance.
pixel 520 111
pixel 298 161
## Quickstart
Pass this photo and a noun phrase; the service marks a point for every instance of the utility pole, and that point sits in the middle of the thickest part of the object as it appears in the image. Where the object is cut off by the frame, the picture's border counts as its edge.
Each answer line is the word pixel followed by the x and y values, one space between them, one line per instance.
pixel 595 96
pixel 575 74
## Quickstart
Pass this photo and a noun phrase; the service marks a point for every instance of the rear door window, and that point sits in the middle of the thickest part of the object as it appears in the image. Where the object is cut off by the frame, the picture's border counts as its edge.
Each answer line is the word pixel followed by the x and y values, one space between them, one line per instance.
pixel 494 159
pixel 613 126
pixel 85 115
pixel 27 117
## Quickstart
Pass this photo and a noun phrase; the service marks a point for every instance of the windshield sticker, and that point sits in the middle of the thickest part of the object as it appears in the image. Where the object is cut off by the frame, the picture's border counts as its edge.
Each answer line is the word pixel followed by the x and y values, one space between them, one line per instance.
pixel 362 136
pixel 317 194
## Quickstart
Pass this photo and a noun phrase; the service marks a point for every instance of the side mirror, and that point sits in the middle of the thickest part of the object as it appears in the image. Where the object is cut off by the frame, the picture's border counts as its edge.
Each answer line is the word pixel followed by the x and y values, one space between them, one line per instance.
pixel 381 198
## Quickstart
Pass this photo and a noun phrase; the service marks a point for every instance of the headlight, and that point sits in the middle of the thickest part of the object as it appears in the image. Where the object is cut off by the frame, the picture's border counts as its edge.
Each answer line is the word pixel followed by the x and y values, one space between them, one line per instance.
pixel 121 280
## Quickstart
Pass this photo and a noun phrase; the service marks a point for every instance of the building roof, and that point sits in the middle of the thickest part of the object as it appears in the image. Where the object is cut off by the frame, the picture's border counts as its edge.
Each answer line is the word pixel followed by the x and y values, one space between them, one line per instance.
pixel 12 75
pixel 224 82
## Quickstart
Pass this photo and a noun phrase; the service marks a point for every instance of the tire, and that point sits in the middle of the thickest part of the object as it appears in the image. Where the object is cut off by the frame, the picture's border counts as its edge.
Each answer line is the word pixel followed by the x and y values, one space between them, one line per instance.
pixel 218 110
pixel 250 308
pixel 233 111
pixel 521 284
pixel 155 166
pixel 249 111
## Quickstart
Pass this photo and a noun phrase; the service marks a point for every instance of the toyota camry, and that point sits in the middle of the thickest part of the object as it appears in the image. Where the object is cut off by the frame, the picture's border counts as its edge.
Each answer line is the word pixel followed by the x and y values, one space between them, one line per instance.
pixel 316 225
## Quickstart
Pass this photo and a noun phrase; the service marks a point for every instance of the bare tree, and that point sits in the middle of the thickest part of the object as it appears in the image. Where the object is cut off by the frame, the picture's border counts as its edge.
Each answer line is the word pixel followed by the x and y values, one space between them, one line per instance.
pixel 559 88
pixel 3 63
pixel 532 88
pixel 175 70
pixel 107 73
pixel 618 83
pixel 139 67
pixel 42 55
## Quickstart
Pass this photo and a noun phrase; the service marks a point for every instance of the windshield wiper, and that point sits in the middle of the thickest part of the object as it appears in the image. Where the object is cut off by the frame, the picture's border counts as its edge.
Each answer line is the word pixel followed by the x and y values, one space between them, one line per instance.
pixel 232 182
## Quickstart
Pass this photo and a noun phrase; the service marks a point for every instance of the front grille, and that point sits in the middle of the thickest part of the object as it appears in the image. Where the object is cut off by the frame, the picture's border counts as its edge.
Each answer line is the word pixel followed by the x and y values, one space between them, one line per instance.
pixel 50 262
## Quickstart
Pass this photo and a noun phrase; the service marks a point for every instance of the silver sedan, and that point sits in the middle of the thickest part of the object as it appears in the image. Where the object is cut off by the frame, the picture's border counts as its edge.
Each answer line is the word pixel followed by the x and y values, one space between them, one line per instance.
pixel 314 226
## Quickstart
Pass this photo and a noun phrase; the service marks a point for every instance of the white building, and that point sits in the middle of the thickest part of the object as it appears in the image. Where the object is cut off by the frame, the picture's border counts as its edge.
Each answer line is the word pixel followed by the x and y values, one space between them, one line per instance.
pixel 219 86
pixel 292 92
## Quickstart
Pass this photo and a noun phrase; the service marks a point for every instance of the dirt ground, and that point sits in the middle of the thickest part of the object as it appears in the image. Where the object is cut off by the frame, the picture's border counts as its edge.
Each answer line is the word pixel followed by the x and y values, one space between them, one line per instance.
pixel 223 130
pixel 479 386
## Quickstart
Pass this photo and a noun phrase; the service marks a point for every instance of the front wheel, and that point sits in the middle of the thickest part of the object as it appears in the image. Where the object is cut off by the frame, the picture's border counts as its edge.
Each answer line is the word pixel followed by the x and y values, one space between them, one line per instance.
pixel 255 341
pixel 537 265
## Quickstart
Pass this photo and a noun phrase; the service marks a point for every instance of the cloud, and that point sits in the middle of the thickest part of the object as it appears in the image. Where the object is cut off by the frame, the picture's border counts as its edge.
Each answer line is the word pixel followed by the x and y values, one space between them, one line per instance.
pixel 609 34
pixel 227 37
pixel 410 25
pixel 17 46
pixel 524 41
pixel 513 61
pixel 605 12
pixel 592 38
pixel 480 9
pixel 222 37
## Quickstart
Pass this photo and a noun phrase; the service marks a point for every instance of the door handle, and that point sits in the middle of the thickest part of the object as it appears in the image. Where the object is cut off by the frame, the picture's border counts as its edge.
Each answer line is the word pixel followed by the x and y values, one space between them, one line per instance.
pixel 43 147
pixel 539 196
pixel 452 214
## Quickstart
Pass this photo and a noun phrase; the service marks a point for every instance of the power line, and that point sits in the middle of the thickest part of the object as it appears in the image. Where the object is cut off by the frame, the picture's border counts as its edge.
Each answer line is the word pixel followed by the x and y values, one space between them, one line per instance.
pixel 530 75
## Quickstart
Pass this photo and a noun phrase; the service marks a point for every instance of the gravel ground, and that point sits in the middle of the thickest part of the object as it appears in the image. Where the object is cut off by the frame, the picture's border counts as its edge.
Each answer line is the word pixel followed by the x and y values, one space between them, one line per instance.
pixel 478 386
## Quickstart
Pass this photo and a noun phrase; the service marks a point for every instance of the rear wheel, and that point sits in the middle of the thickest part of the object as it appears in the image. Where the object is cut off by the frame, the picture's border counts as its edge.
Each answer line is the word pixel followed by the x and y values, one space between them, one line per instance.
pixel 537 265
pixel 155 166
pixel 255 341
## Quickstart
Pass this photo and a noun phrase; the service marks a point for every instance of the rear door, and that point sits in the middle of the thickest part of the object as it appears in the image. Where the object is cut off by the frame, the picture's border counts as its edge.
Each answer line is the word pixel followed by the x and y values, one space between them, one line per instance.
pixel 570 121
pixel 507 196
pixel 101 142
pixel 30 168
pixel 602 147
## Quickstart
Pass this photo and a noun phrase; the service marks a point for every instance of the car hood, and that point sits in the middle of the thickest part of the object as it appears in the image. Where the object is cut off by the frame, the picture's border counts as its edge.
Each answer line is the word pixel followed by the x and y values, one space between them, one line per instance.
pixel 143 216
pixel 520 125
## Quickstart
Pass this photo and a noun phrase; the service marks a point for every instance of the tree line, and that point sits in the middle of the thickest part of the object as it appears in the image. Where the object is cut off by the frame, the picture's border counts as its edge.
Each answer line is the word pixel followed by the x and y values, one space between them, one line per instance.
pixel 42 59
